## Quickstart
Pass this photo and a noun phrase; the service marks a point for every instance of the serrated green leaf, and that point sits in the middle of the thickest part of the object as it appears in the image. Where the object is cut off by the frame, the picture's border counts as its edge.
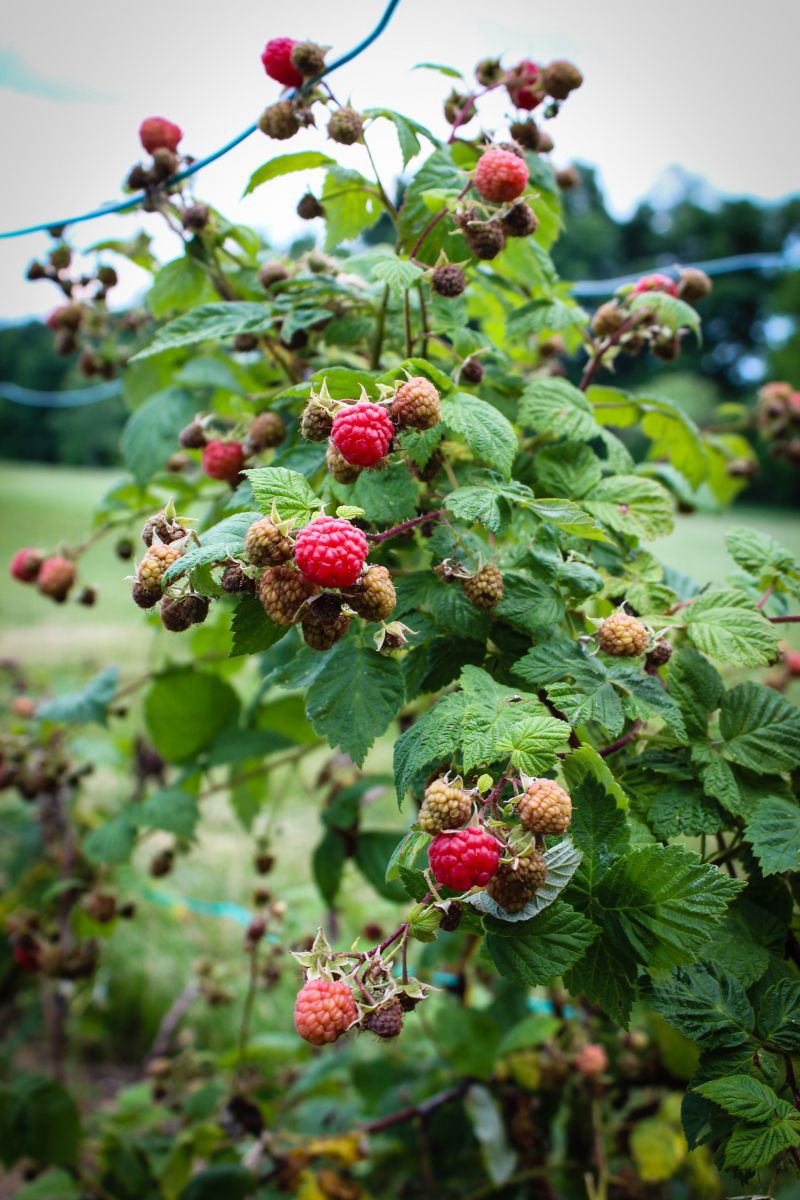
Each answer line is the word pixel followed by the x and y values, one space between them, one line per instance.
pixel 542 948
pixel 569 517
pixel 779 1015
pixel 706 1004
pixel 185 709
pixel 170 809
pixel 774 833
pixel 179 285
pixel 252 630
pixel 406 852
pixel 751 1147
pixel 399 273
pixel 151 432
pixel 209 322
pixel 351 205
pixel 558 407
pixel 529 603
pixel 727 626
pixel 632 504
pixel 567 469
pixel 696 686
pixel 760 729
pixel 288 491
pixel 761 556
pixel 355 696
pixel 745 1097
pixel 533 742
pixel 540 316
pixel 487 433
pixel 668 311
pixel 286 164
pixel 87 705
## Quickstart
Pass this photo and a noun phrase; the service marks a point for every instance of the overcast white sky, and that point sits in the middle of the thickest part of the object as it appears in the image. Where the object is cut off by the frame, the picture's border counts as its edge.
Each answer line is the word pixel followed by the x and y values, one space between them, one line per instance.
pixel 710 85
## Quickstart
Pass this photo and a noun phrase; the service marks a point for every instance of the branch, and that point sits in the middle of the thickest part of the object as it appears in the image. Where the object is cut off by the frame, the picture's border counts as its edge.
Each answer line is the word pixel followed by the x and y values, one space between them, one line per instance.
pixel 172 1019
pixel 783 620
pixel 630 736
pixel 594 363
pixel 414 1111
pixel 396 530
pixel 434 221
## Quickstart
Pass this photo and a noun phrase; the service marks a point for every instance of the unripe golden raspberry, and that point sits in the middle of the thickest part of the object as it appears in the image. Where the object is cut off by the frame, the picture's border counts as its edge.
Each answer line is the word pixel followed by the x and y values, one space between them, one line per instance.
pixel 267 431
pixel 152 567
pixel 607 319
pixel 283 592
pixel 374 597
pixel 545 808
pixel 485 588
pixel 416 404
pixel 693 284
pixel 338 466
pixel 515 883
pixel 265 545
pixel 622 635
pixel 446 806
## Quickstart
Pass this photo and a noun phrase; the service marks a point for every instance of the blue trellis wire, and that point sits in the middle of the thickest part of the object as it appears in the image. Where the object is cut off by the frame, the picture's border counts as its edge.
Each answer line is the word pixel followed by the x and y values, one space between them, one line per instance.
pixel 138 197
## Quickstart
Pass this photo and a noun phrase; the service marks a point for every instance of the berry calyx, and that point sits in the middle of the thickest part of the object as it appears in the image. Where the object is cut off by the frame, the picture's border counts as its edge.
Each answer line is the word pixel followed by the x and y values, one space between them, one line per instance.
pixel 266 545
pixel 465 859
pixel 622 636
pixel 157 133
pixel 223 460
pixel 283 591
pixel 386 1021
pixel 55 577
pixel 276 58
pixel 375 597
pixel 515 883
pixel 416 404
pixel 25 565
pixel 324 1010
pixel 500 176
pixel 445 806
pixel 362 433
pixel 545 808
pixel 522 85
pixel 330 552
pixel 485 588
pixel 655 283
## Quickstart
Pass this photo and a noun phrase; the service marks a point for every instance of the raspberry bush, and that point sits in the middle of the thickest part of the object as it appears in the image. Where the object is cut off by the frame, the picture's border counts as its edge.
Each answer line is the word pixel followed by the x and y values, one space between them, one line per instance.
pixel 392 498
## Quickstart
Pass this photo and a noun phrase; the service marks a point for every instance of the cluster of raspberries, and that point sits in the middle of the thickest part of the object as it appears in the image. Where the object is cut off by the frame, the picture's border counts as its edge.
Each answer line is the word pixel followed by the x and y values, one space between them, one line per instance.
pixel 165 538
pixel 637 329
pixel 361 434
pixel 294 64
pixel 464 856
pixel 225 460
pixel 316 578
pixel 325 1009
pixel 54 576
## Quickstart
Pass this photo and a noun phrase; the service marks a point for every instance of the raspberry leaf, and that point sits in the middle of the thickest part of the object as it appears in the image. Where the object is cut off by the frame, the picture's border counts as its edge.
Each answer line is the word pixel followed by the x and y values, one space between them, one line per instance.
pixel 538 950
pixel 774 833
pixel 355 696
pixel 288 491
pixel 487 433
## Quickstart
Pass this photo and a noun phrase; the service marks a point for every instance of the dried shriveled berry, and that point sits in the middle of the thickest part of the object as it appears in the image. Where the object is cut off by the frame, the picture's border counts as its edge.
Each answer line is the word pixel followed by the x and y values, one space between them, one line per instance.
pixel 385 1021
pixel 515 883
pixel 448 280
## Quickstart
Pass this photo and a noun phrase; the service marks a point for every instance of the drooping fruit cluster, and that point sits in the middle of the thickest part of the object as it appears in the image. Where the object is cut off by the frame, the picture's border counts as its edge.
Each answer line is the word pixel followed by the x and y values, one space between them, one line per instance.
pixel 54 576
pixel 622 636
pixel 545 808
pixel 362 432
pixel 778 418
pixel 628 323
pixel 445 806
pixel 464 859
pixel 160 139
pixel 324 1010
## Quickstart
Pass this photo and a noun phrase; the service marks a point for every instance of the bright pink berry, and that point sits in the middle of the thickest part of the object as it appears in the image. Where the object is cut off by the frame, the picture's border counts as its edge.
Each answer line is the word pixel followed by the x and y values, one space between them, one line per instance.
pixel 324 1010
pixel 591 1060
pixel 522 88
pixel 362 433
pixel 25 565
pixel 157 133
pixel 655 283
pixel 277 60
pixel 465 858
pixel 501 176
pixel 330 551
pixel 223 460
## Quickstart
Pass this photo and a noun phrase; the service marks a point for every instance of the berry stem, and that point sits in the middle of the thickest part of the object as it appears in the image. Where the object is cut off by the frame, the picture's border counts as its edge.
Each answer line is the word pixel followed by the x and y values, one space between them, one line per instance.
pixel 437 515
pixel 418 1110
pixel 593 366
pixel 435 219
pixel 783 620
pixel 766 595
pixel 613 747
pixel 247 1010
pixel 407 321
pixel 380 325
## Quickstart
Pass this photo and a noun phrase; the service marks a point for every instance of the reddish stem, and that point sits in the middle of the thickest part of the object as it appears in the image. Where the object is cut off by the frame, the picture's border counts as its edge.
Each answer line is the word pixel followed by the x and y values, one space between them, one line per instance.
pixel 766 595
pixel 398 529
pixel 435 219
pixel 626 738
pixel 783 620
pixel 417 1110
pixel 593 365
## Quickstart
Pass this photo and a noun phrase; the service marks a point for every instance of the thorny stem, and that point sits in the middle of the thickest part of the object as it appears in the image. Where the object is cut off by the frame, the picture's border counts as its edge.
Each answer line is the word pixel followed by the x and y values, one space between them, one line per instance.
pixel 396 530
pixel 723 855
pixel 434 221
pixel 380 325
pixel 596 360
pixel 172 1019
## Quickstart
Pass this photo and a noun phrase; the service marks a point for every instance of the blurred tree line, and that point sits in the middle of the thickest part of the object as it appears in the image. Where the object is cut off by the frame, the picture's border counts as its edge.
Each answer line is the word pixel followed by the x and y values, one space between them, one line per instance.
pixel 751 330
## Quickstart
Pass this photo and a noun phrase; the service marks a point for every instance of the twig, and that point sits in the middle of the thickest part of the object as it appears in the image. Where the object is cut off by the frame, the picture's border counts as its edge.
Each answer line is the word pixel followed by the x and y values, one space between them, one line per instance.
pixel 437 515
pixel 171 1020
pixel 380 325
pixel 423 316
pixel 783 620
pixel 595 361
pixel 434 221
pixel 766 595
pixel 407 321
pixel 247 1010
pixel 632 733
pixel 417 1110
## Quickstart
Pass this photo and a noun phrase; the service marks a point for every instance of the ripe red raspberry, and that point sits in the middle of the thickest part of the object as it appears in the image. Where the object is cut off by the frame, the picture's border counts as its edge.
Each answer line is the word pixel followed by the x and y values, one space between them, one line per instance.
pixel 223 460
pixel 157 133
pixel 622 635
pixel 277 61
pixel 56 576
pixel 362 433
pixel 446 806
pixel 330 551
pixel 25 565
pixel 521 86
pixel 416 404
pixel 655 283
pixel 265 545
pixel 591 1060
pixel 375 597
pixel 324 1010
pixel 464 859
pixel 515 883
pixel 545 807
pixel 283 592
pixel 501 176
